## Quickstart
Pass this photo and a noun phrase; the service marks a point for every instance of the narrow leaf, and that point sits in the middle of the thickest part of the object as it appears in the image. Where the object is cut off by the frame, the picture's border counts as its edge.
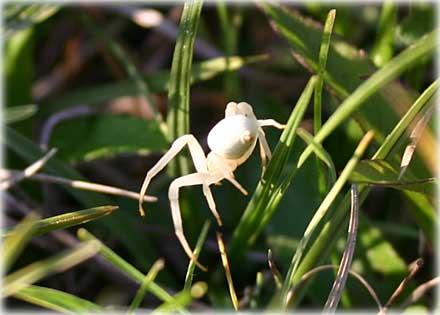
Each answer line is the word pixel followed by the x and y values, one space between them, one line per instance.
pixel 18 113
pixel 57 300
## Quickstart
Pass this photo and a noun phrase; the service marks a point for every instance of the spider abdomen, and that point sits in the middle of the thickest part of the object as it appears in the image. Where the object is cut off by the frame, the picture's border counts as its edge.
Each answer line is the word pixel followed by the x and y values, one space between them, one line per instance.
pixel 233 136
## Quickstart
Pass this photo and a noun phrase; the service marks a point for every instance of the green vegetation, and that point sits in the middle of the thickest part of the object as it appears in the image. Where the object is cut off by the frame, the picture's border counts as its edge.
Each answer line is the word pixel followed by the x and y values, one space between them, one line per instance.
pixel 112 86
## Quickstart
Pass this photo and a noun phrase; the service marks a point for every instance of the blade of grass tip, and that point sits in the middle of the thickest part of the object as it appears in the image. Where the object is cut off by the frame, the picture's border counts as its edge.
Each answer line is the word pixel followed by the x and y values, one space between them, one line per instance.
pixel 261 207
pixel 17 240
pixel 347 257
pixel 201 240
pixel 420 291
pixel 383 46
pixel 124 266
pixel 387 73
pixel 317 107
pixel 120 55
pixel 18 113
pixel 259 282
pixel 183 298
pixel 321 211
pixel 66 220
pixel 180 81
pixel 57 300
pixel 320 152
pixel 225 263
pixel 57 263
pixel 414 139
pixel 28 171
pixel 328 235
pixel 275 272
pixel 151 275
pixel 83 185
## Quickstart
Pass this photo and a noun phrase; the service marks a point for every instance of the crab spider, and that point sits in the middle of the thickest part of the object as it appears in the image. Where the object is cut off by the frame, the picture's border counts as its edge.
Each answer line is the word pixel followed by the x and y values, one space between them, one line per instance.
pixel 232 140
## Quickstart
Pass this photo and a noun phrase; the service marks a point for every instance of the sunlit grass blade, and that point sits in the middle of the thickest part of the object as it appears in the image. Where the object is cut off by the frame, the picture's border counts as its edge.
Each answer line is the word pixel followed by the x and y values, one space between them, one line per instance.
pixel 192 265
pixel 317 105
pixel 182 299
pixel 151 275
pixel 180 81
pixel 122 57
pixel 57 300
pixel 14 243
pixel 320 152
pixel 57 263
pixel 271 187
pixel 18 113
pixel 67 220
pixel 383 47
pixel 388 72
pixel 158 82
pixel 324 242
pixel 128 269
pixel 227 268
pixel 321 212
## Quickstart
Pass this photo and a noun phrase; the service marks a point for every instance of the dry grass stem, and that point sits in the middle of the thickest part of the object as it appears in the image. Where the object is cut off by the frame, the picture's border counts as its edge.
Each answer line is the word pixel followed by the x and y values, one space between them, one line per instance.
pixel 225 262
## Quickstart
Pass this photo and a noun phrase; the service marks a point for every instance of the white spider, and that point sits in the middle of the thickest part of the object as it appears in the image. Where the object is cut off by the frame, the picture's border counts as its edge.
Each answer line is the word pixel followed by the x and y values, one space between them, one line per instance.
pixel 232 140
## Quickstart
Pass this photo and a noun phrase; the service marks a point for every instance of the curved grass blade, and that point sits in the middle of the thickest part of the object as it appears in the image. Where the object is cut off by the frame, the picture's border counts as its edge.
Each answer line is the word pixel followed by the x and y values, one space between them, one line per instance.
pixel 19 113
pixel 157 82
pixel 180 81
pixel 17 240
pixel 56 300
pixel 324 242
pixel 321 212
pixel 57 263
pixel 125 267
pixel 271 187
pixel 197 250
pixel 151 275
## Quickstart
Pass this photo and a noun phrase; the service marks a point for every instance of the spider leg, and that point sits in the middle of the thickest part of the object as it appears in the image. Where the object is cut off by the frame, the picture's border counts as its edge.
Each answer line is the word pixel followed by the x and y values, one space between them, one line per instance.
pixel 204 179
pixel 236 184
pixel 197 154
pixel 270 122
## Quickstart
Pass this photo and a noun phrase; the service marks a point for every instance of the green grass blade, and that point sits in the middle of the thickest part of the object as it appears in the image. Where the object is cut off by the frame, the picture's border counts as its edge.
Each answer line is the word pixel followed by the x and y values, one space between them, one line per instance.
pixel 15 242
pixel 57 300
pixel 151 275
pixel 386 74
pixel 67 220
pixel 64 221
pixel 383 46
pixel 122 57
pixel 180 81
pixel 322 245
pixel 18 113
pixel 128 269
pixel 57 263
pixel 157 82
pixel 322 210
pixel 271 188
pixel 197 250
pixel 320 152
pixel 317 106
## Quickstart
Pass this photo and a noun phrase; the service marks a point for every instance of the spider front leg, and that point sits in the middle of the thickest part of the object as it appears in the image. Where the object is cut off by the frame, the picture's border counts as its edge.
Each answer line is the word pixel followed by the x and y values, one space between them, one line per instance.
pixel 197 155
pixel 265 152
pixel 204 179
